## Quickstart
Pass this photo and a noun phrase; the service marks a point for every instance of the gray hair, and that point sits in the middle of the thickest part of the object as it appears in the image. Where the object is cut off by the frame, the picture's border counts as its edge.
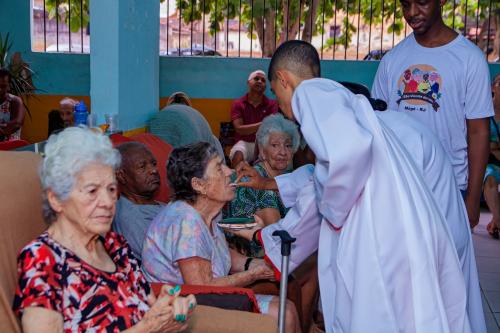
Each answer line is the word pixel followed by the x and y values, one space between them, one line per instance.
pixel 66 154
pixel 276 123
pixel 184 164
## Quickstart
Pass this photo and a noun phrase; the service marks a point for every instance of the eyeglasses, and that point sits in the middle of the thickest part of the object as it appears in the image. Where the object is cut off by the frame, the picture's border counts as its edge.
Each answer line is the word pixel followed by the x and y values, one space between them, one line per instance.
pixel 259 78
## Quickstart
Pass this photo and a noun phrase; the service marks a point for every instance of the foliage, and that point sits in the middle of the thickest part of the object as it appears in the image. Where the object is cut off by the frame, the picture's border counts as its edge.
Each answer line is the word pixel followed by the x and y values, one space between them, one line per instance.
pixel 21 83
pixel 79 10
pixel 270 13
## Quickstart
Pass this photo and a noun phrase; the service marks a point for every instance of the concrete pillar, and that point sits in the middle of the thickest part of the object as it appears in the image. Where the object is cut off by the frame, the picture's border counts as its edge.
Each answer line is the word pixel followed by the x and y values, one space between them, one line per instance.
pixel 124 60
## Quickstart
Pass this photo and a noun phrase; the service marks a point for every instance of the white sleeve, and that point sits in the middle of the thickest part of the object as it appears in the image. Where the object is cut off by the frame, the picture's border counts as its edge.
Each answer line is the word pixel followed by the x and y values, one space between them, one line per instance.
pixel 478 101
pixel 303 222
pixel 380 87
pixel 343 147
pixel 289 184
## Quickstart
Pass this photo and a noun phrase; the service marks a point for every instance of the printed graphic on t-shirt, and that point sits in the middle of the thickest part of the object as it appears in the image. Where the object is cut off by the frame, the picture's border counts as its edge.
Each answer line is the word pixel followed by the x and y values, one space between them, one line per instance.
pixel 418 86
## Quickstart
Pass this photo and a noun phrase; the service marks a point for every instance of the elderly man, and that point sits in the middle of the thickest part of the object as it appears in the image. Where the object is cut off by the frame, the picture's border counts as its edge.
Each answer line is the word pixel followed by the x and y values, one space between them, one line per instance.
pixel 66 108
pixel 12 110
pixel 63 117
pixel 247 114
pixel 138 179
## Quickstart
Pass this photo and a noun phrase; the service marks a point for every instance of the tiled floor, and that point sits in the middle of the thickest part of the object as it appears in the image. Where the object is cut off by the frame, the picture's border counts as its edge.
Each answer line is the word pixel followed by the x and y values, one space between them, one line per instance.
pixel 488 264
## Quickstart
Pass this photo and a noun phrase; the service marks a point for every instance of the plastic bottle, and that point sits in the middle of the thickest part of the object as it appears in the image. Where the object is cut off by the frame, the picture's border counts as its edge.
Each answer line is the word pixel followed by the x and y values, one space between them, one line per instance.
pixel 80 114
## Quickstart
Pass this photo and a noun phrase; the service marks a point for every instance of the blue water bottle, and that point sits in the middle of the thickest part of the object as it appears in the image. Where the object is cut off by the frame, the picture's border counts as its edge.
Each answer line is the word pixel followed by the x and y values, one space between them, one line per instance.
pixel 80 114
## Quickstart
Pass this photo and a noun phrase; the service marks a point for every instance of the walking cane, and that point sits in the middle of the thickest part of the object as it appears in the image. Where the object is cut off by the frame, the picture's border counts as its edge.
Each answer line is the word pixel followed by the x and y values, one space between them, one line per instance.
pixel 286 247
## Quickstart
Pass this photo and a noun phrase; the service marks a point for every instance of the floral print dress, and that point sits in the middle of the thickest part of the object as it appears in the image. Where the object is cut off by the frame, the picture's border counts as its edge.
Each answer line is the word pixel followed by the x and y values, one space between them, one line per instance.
pixel 90 300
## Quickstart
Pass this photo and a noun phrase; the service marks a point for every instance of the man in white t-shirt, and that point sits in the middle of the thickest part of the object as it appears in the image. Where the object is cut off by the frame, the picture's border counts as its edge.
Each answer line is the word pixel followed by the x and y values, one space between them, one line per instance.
pixel 441 79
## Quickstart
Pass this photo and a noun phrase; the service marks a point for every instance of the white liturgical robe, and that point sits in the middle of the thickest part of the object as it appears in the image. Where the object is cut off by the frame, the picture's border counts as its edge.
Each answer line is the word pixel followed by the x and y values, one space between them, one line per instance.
pixel 302 221
pixel 431 158
pixel 386 260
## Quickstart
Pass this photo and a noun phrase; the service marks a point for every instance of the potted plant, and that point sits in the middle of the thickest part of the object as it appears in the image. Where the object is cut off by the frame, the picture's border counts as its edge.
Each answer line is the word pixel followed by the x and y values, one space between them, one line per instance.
pixel 21 83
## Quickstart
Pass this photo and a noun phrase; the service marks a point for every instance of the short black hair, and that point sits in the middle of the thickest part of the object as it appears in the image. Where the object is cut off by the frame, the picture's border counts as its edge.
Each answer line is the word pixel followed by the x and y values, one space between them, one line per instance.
pixel 184 164
pixel 298 57
pixel 127 147
pixel 5 72
pixel 360 89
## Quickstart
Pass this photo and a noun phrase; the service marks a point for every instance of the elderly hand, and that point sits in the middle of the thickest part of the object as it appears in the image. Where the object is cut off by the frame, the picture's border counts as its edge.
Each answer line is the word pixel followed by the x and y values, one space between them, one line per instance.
pixel 261 270
pixel 169 313
pixel 255 180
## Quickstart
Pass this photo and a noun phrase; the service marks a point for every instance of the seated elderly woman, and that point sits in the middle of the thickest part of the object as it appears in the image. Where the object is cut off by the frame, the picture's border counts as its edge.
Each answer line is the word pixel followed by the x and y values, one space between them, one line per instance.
pixel 278 139
pixel 77 275
pixel 185 245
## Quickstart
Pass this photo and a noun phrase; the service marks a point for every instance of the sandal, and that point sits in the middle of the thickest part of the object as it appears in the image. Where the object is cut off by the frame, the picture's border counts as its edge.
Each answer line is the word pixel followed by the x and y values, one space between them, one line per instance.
pixel 493 230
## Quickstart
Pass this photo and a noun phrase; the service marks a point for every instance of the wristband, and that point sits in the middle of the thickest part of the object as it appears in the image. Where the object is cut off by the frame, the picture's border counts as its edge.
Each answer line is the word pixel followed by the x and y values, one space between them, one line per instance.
pixel 247 263
pixel 255 239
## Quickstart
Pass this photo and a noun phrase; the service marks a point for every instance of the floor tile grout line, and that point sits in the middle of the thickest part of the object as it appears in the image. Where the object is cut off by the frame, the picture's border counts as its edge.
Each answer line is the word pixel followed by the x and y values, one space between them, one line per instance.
pixel 488 304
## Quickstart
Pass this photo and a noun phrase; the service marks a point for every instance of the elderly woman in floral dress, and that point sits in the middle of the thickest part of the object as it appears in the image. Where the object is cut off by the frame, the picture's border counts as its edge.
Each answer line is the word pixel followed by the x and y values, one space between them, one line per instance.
pixel 78 276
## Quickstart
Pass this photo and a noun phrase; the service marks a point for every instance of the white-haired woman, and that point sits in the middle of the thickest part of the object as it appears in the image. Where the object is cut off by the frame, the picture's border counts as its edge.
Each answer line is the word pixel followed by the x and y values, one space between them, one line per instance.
pixel 278 139
pixel 77 275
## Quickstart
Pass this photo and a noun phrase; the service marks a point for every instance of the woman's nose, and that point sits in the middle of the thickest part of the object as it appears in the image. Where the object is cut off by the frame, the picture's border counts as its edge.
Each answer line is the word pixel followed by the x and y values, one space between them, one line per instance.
pixel 107 199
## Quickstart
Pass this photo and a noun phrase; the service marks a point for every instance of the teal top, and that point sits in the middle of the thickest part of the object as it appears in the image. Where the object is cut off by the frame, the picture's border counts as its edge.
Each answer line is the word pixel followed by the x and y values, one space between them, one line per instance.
pixel 248 200
pixel 494 135
pixel 245 204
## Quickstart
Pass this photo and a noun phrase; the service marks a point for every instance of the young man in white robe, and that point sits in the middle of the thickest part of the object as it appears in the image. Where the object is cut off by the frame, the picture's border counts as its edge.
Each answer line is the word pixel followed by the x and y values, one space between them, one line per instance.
pixel 303 220
pixel 387 261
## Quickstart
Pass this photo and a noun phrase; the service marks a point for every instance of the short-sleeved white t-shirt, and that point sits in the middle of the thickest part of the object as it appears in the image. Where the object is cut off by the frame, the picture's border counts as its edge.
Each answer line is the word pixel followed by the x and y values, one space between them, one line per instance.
pixel 442 87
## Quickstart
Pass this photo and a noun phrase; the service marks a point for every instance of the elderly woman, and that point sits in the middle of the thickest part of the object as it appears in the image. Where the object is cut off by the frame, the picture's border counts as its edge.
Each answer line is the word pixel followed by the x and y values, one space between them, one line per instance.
pixel 78 276
pixel 184 244
pixel 278 139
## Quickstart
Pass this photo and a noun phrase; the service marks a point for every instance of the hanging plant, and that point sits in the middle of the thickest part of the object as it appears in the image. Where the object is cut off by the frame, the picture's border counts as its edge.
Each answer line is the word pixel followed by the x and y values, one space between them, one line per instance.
pixel 21 82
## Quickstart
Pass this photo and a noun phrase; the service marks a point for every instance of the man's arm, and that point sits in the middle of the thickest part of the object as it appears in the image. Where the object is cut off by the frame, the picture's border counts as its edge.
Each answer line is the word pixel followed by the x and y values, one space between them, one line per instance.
pixel 478 133
pixel 255 180
pixel 243 129
pixel 478 109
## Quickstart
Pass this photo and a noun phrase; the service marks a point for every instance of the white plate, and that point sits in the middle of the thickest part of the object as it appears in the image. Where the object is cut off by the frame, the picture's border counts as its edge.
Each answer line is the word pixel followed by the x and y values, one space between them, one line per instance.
pixel 237 226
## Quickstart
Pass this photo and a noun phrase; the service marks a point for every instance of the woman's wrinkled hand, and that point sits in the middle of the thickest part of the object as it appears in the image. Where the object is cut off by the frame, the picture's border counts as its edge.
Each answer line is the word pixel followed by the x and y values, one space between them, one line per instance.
pixel 261 270
pixel 169 313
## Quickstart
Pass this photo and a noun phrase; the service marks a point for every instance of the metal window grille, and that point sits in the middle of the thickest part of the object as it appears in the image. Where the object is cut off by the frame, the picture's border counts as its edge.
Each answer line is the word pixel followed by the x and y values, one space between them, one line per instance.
pixel 339 29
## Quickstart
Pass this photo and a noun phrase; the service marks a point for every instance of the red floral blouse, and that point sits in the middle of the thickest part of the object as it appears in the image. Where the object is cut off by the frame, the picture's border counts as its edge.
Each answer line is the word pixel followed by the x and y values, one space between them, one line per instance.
pixel 90 300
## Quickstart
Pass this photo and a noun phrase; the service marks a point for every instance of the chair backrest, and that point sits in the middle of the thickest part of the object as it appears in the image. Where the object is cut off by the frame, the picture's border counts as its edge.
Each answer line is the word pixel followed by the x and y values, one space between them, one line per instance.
pixel 21 222
pixel 13 144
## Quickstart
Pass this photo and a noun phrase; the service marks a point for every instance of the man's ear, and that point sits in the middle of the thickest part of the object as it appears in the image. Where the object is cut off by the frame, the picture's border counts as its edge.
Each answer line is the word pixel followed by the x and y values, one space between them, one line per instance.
pixel 120 177
pixel 198 185
pixel 282 78
pixel 54 202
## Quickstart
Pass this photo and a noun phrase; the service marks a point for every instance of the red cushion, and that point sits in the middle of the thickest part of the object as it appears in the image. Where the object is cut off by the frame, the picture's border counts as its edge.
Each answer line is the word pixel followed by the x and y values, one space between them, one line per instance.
pixel 118 139
pixel 161 151
pixel 197 290
pixel 13 144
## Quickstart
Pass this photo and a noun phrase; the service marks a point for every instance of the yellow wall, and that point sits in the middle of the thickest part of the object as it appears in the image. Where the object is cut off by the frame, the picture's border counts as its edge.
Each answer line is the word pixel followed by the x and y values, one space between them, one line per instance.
pixel 36 127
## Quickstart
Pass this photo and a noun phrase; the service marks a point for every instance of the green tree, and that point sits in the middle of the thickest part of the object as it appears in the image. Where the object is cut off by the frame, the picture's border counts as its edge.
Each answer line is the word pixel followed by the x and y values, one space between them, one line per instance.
pixel 274 21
